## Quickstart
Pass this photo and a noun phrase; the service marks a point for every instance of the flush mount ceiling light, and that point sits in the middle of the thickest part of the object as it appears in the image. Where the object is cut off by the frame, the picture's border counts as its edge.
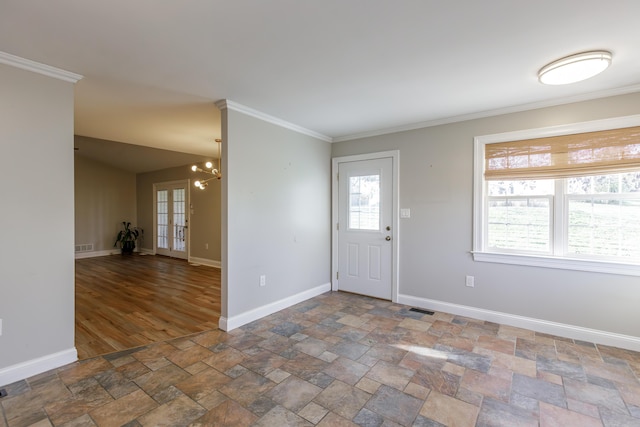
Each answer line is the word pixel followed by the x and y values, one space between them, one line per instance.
pixel 575 68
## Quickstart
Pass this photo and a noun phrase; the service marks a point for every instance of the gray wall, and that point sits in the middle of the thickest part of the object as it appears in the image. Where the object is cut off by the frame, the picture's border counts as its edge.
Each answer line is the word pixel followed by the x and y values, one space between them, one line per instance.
pixel 436 183
pixel 204 223
pixel 104 197
pixel 37 251
pixel 278 212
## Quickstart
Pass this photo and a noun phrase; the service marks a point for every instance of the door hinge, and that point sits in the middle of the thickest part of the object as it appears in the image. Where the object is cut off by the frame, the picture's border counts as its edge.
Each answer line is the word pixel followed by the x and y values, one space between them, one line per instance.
pixel 337 226
pixel 337 275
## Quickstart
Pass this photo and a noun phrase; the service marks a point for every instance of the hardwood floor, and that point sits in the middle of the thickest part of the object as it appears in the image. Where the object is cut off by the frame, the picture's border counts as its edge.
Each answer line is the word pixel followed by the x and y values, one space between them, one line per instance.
pixel 124 302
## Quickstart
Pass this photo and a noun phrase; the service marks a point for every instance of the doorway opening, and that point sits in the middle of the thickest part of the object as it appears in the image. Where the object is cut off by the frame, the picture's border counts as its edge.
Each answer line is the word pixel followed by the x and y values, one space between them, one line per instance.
pixel 131 301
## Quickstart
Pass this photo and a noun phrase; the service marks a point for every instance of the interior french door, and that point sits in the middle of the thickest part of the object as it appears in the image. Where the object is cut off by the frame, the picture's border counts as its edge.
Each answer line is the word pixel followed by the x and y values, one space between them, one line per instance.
pixel 172 219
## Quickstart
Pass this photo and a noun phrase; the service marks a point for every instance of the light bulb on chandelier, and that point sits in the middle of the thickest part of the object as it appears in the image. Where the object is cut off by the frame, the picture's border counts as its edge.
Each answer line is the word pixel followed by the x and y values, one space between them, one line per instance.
pixel 209 169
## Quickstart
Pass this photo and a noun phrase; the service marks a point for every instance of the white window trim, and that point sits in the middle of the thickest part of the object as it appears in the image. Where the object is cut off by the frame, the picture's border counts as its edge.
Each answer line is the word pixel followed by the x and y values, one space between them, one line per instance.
pixel 479 200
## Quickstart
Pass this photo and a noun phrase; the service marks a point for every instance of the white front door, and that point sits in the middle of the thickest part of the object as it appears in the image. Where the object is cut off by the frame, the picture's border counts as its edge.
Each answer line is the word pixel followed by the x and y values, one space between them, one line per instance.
pixel 365 227
pixel 171 220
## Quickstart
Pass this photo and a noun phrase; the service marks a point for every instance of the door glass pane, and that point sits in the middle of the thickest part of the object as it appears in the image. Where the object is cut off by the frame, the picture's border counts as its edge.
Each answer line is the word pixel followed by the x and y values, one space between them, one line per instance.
pixel 163 218
pixel 364 202
pixel 179 219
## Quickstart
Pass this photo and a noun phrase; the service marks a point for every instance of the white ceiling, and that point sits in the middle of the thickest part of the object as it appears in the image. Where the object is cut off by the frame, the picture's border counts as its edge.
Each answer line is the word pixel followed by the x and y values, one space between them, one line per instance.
pixel 343 68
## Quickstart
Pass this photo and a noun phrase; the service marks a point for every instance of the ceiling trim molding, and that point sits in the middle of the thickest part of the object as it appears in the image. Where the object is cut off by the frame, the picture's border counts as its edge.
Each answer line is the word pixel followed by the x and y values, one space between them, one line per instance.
pixel 227 104
pixel 36 67
pixel 491 113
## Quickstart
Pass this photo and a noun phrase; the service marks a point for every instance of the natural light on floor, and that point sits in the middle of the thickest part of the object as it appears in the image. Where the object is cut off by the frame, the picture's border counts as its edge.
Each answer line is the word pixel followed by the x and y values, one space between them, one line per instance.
pixel 423 351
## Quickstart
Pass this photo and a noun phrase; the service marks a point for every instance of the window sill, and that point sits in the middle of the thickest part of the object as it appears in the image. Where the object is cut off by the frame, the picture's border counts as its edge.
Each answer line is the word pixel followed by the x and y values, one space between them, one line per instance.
pixel 559 263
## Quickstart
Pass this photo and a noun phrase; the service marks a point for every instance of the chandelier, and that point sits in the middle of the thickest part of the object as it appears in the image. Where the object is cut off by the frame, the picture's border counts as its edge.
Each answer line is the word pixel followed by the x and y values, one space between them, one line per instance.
pixel 209 169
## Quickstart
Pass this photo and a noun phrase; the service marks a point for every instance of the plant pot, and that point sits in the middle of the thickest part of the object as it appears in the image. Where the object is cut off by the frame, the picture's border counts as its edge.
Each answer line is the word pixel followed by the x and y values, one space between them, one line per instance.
pixel 128 247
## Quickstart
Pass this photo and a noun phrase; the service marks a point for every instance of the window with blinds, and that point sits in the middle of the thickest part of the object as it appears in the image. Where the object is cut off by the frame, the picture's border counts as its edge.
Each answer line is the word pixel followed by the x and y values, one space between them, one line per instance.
pixel 566 198
pixel 563 156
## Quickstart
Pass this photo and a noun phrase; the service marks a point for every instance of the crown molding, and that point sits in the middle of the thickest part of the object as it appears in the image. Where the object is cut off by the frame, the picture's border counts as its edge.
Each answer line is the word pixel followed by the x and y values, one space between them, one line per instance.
pixel 227 104
pixel 36 67
pixel 490 113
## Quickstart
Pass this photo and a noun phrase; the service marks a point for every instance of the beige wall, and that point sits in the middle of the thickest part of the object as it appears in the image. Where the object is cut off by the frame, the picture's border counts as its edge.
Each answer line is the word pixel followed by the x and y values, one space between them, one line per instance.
pixel 104 197
pixel 204 225
pixel 277 216
pixel 436 183
pixel 37 215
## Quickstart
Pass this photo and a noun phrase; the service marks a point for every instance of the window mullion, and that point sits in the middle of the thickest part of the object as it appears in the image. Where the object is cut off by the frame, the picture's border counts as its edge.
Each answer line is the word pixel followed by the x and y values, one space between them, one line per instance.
pixel 560 218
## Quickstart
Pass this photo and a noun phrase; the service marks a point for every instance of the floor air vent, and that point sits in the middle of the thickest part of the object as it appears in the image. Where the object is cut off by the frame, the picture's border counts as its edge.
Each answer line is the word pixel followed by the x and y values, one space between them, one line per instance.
pixel 419 310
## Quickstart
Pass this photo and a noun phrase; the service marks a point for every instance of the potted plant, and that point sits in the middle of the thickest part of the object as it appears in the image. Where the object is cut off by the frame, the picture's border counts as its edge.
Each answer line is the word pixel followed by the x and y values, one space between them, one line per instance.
pixel 127 238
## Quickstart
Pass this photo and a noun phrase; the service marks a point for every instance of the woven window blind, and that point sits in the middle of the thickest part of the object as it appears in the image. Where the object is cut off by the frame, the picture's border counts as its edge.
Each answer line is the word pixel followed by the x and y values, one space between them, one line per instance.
pixel 589 153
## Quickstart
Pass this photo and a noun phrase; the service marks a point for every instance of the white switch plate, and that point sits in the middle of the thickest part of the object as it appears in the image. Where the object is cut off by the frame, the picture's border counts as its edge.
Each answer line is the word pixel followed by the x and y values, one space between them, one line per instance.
pixel 405 213
pixel 0 327
pixel 263 280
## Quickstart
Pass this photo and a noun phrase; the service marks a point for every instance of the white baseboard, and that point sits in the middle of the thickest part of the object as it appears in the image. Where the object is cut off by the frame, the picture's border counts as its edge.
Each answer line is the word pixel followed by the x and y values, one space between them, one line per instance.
pixel 93 254
pixel 222 324
pixel 205 261
pixel 37 366
pixel 227 324
pixel 538 325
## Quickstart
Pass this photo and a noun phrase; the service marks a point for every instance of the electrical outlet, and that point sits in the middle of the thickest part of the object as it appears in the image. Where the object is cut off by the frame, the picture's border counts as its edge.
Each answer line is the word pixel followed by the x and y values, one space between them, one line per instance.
pixel 263 280
pixel 206 246
pixel 469 281
pixel 0 327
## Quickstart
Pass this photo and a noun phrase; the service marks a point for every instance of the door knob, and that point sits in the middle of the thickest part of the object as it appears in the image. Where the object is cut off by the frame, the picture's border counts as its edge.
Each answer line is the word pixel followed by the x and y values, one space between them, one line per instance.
pixel 387 238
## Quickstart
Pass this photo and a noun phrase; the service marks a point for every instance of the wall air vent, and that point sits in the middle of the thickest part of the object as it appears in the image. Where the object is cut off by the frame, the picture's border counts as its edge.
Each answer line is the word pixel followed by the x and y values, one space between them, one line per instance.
pixel 87 247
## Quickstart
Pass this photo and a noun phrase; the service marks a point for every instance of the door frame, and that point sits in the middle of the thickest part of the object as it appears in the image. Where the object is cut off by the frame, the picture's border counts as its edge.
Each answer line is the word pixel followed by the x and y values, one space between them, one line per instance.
pixel 156 185
pixel 395 223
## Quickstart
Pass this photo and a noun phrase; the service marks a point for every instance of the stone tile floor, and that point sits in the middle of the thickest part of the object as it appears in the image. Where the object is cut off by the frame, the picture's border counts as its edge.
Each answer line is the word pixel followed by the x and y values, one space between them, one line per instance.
pixel 342 360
